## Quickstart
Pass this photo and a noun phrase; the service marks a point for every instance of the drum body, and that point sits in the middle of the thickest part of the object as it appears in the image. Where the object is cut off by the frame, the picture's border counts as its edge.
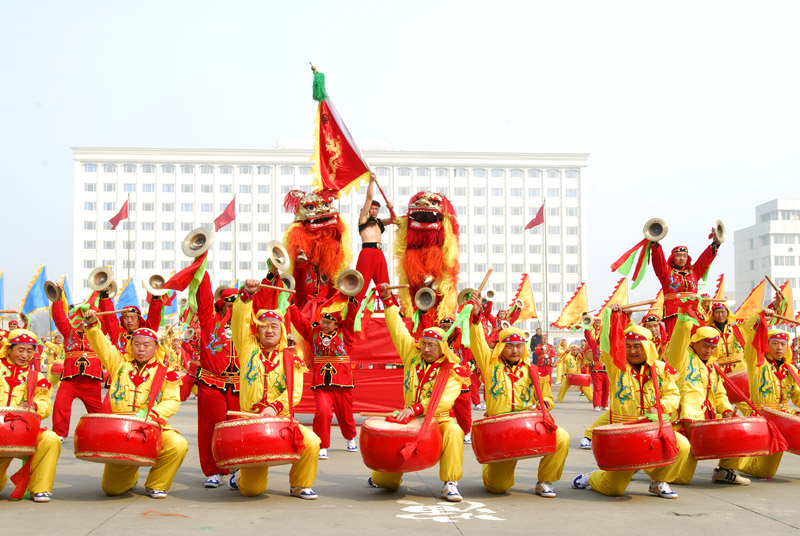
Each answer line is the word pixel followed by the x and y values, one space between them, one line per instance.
pixel 740 379
pixel 631 446
pixel 512 436
pixel 579 380
pixel 736 437
pixel 117 439
pixel 788 424
pixel 57 369
pixel 381 443
pixel 259 442
pixel 19 432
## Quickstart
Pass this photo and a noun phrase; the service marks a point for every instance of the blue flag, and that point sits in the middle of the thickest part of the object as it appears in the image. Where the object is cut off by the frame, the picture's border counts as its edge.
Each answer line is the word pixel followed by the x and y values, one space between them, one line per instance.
pixel 127 297
pixel 67 293
pixel 36 298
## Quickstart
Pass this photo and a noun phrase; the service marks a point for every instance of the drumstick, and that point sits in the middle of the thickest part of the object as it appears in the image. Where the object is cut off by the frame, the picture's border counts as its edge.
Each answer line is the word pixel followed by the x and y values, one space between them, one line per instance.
pixel 280 289
pixel 788 320
pixel 485 279
pixel 771 283
pixel 391 211
pixel 374 414
pixel 243 414
pixel 109 312
pixel 395 287
pixel 637 304
pixel 4 311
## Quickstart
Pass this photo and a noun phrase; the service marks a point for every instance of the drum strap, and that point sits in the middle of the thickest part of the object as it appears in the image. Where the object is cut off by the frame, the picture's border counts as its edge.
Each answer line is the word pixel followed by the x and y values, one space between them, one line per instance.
pixel 433 402
pixel 549 422
pixel 155 388
pixel 670 446
pixel 22 478
pixel 288 370
pixel 777 442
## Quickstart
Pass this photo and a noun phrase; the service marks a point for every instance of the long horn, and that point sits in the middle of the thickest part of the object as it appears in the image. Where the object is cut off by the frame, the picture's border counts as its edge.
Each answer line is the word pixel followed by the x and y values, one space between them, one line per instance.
pixel 425 298
pixel 655 229
pixel 101 278
pixel 350 282
pixel 197 242
pixel 278 255
pixel 52 291
pixel 719 231
pixel 153 285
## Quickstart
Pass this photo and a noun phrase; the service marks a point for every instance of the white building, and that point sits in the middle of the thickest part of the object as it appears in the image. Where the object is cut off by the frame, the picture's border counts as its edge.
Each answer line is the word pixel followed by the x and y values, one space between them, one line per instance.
pixel 175 190
pixel 770 247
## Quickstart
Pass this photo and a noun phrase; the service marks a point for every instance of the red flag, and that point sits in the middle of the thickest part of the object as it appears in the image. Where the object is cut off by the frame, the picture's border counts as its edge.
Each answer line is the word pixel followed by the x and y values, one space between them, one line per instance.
pixel 537 220
pixel 121 215
pixel 227 216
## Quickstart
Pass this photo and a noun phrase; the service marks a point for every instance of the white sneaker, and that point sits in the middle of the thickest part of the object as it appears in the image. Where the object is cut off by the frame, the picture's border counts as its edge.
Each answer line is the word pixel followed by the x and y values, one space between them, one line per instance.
pixel 581 481
pixel 212 481
pixel 727 476
pixel 476 407
pixel 482 406
pixel 233 481
pixel 467 438
pixel 586 443
pixel 157 494
pixel 303 493
pixel 450 492
pixel 352 446
pixel 323 454
pixel 42 497
pixel 545 489
pixel 662 489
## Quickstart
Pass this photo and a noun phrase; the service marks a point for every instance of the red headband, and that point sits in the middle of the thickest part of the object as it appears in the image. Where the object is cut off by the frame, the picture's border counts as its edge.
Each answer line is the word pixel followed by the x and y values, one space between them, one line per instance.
pixel 651 318
pixel 680 249
pixel 22 339
pixel 633 336
pixel 514 337
pixel 270 315
pixel 431 334
pixel 718 305
pixel 145 332
pixel 712 340
pixel 781 336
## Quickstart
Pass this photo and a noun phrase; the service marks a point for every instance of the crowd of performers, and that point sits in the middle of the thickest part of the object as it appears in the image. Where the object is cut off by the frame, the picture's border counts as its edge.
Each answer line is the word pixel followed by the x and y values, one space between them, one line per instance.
pixel 248 349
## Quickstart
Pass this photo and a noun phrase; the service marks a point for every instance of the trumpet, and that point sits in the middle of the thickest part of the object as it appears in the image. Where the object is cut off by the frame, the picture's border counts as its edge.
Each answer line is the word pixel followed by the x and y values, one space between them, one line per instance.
pixel 350 282
pixel 655 229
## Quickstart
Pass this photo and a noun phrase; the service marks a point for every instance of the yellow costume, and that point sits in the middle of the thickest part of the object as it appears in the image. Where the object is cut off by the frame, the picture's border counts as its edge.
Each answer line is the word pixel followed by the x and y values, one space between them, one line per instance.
pixel 632 396
pixel 13 393
pixel 129 393
pixel 55 355
pixel 562 351
pixel 418 396
pixel 262 384
pixel 573 364
pixel 508 389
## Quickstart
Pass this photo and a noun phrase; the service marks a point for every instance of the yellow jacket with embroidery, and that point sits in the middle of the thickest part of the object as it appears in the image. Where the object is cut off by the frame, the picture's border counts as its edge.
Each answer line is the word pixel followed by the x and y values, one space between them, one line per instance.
pixel 14 388
pixel 766 388
pixel 632 395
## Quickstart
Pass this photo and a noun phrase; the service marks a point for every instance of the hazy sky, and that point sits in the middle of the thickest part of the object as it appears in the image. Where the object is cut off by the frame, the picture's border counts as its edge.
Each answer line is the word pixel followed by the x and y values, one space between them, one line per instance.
pixel 689 109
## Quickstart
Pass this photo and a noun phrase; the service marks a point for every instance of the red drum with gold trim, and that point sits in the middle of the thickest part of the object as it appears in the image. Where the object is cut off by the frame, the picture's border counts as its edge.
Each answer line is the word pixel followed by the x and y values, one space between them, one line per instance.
pixel 788 424
pixel 261 442
pixel 740 380
pixel 19 432
pixel 381 442
pixel 512 436
pixel 630 446
pixel 117 439
pixel 579 380
pixel 736 437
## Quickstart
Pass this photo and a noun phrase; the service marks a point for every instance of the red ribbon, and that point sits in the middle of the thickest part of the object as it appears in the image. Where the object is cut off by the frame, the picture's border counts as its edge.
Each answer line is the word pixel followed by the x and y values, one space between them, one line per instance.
pixel 549 422
pixel 438 389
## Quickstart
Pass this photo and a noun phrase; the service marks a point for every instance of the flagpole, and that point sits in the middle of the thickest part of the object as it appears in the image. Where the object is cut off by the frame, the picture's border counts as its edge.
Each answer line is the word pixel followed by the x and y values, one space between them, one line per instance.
pixel 544 253
pixel 233 274
pixel 129 236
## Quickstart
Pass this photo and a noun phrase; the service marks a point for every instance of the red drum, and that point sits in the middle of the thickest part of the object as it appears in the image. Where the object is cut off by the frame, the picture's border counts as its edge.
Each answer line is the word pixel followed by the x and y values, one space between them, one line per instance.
pixel 381 442
pixel 740 380
pixel 631 446
pixel 117 439
pixel 512 436
pixel 788 424
pixel 19 432
pixel 579 380
pixel 254 442
pixel 736 437
pixel 56 369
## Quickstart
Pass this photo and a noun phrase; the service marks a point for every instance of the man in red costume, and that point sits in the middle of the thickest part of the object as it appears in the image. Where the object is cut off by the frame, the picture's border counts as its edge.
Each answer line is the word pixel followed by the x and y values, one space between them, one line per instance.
pixel 597 371
pixel 371 261
pixel 545 358
pixel 331 375
pixel 678 276
pixel 81 376
pixel 129 321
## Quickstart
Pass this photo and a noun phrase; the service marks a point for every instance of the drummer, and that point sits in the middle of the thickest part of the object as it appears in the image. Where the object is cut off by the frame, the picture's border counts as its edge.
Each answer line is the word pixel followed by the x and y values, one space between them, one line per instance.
pixel 507 373
pixel 422 361
pixel 573 364
pixel 703 396
pixel 634 399
pixel 261 343
pixel 39 472
pixel 461 408
pixel 132 376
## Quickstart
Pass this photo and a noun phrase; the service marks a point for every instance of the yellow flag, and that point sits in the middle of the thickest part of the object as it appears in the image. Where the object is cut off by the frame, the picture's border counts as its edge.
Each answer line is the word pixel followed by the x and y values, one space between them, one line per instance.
pixel 619 295
pixel 525 295
pixel 657 308
pixel 720 287
pixel 752 304
pixel 786 289
pixel 573 311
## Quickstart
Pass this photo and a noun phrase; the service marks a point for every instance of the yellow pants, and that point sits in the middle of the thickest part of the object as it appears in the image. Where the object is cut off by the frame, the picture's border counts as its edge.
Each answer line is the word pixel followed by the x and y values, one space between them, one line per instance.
pixel 449 465
pixel 43 466
pixel 758 466
pixel 253 480
pixel 560 371
pixel 687 471
pixel 602 420
pixel 498 477
pixel 565 387
pixel 614 483
pixel 54 380
pixel 117 479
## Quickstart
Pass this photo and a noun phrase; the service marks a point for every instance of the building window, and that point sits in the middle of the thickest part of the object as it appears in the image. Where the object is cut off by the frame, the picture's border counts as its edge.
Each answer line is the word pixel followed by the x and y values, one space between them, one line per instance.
pixel 128 265
pixel 553 211
pixel 287 170
pixel 498 229
pixel 187 207
pixel 90 187
pixel 479 211
pixel 382 172
pixel 263 188
pixel 108 206
pixel 554 250
pixel 572 230
pixel 304 170
pixel 517 268
pixel 404 190
pixel 553 192
pixel 764 239
pixel 167 207
pixel 167 265
pixel 89 225
pixel 148 244
pixel 245 207
pixel 264 170
pixel 516 174
pixel 148 168
pixel 535 250
pixel 479 248
pixel 225 246
pixel 108 244
pixel 459 191
pixel 534 192
pixel 515 211
pixel 784 260
pixel 479 229
pixel 168 188
pixel 187 188
pixel 245 227
pixel 497 192
pixel 572 250
pixel 90 168
pixel 536 268
pixel 345 209
pixel 404 172
pixel 784 238
pixel 479 172
pixel 479 267
pixel 262 266
pixel 206 188
pixel 498 248
pixel 534 173
pixel 423 172
pixel 571 211
pixel 553 268
pixel 244 246
pixel 167 246
pixel 572 268
pixel 498 173
pixel 553 174
pixel 570 192
pixel 263 227
pixel 553 229
pixel 516 229
pixel 245 170
pixel 245 189
pixel 497 211
pixel 499 268
pixel 225 265
pixel 149 187
pixel 109 168
pixel 89 244
pixel 571 174
pixel 167 226
pixel 225 188
pixel 460 173
pixel 226 170
pixel 517 249
pixel 126 225
pixel 206 207
pixel 206 170
pixel 442 172
pixel 129 187
pixel 89 263
pixel 148 226
pixel 186 226
pixel 168 168
pixel 461 210
pixel 479 192
pixel 554 287
pixel 186 168
pixel 286 188
pixel 129 168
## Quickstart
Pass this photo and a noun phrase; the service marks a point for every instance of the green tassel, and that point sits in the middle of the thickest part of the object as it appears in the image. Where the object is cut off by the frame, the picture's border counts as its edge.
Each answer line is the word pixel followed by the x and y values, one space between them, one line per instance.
pixel 462 321
pixel 416 317
pixel 283 302
pixel 318 88
pixel 605 331
pixel 364 303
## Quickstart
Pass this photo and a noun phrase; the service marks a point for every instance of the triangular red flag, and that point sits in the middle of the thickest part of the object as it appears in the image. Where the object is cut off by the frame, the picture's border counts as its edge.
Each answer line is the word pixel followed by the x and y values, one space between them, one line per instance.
pixel 121 215
pixel 537 220
pixel 227 216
